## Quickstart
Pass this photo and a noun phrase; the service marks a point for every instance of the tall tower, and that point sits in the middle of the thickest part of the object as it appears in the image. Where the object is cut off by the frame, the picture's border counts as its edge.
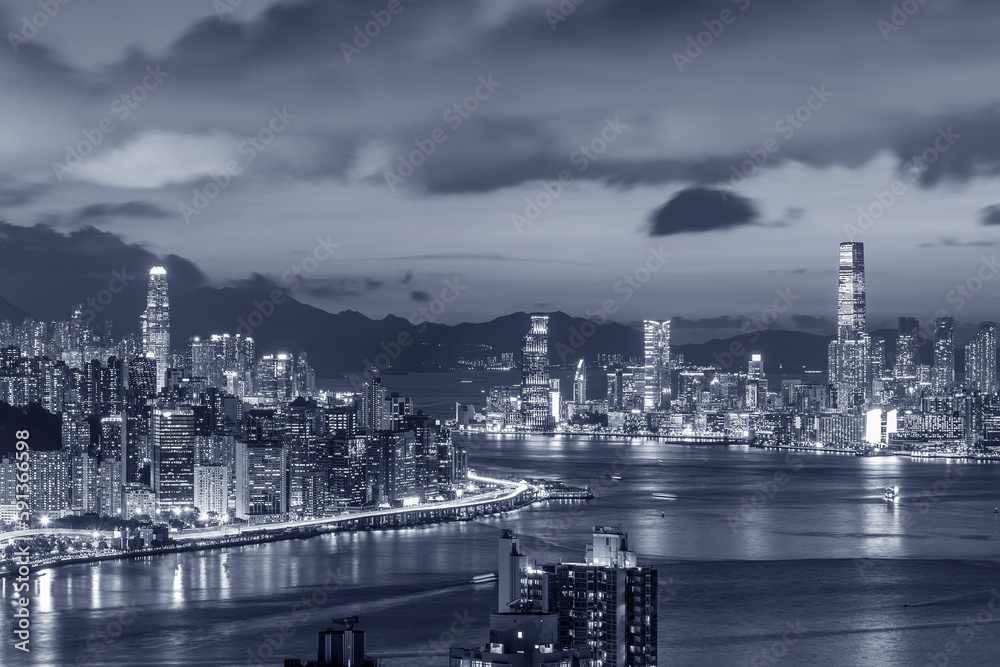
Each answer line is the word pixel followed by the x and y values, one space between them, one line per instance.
pixel 852 309
pixel 943 371
pixel 580 384
pixel 981 359
pixel 156 324
pixel 656 388
pixel 849 363
pixel 535 374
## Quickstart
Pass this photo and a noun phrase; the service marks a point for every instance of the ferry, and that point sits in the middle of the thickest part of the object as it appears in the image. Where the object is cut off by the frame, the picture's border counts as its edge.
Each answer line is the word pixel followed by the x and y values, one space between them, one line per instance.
pixel 892 493
pixel 487 578
pixel 616 477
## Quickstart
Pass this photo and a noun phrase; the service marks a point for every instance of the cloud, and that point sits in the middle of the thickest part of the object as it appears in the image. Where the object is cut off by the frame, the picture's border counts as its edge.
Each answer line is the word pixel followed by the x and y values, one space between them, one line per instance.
pixel 812 322
pixel 721 322
pixel 420 296
pixel 157 158
pixel 129 209
pixel 990 215
pixel 951 242
pixel 702 210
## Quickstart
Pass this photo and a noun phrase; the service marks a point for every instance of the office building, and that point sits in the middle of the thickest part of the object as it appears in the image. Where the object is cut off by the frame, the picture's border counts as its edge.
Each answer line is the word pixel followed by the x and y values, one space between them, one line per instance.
pixel 535 409
pixel 943 370
pixel 156 324
pixel 173 458
pixel 656 373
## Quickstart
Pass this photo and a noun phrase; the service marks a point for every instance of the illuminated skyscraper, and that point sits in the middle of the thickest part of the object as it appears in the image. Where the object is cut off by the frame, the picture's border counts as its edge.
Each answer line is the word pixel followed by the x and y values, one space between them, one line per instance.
pixel 851 298
pixel 156 323
pixel 756 395
pixel 535 375
pixel 849 362
pixel 580 384
pixel 907 350
pixel 943 372
pixel 981 359
pixel 656 378
pixel 173 458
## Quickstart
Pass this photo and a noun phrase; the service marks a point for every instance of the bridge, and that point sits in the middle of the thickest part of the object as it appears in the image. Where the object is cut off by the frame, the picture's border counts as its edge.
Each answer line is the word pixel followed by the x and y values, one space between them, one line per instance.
pixel 518 494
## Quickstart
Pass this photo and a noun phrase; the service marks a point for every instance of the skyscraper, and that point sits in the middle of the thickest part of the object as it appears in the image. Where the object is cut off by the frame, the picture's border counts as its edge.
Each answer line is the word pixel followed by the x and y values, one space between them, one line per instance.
pixel 852 308
pixel 849 363
pixel 580 384
pixel 156 323
pixel 173 458
pixel 943 372
pixel 535 374
pixel 656 387
pixel 907 350
pixel 981 359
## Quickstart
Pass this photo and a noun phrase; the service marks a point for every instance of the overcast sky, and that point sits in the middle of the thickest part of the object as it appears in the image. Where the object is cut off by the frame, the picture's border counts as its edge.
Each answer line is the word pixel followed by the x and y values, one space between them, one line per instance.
pixel 668 125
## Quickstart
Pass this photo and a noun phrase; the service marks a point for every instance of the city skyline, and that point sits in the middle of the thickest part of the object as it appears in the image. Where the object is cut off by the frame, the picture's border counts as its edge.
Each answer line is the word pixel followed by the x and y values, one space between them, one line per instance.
pixel 651 186
pixel 514 333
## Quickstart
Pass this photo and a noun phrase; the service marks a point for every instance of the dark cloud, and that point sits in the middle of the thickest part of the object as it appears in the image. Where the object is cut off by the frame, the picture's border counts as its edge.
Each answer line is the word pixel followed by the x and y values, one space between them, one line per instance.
pixel 702 210
pixel 721 322
pixel 990 215
pixel 129 209
pixel 45 272
pixel 951 242
pixel 420 295
pixel 16 193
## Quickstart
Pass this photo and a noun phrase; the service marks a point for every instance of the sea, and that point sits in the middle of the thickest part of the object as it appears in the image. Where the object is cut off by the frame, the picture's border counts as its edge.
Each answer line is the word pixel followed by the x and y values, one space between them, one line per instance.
pixel 764 557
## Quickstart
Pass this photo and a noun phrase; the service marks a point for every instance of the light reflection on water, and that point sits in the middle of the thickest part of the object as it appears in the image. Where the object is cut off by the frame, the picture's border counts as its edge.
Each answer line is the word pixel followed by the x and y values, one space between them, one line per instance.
pixel 747 552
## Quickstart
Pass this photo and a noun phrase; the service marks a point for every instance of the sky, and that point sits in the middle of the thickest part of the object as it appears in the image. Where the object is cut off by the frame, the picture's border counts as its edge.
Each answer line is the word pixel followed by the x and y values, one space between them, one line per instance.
pixel 687 160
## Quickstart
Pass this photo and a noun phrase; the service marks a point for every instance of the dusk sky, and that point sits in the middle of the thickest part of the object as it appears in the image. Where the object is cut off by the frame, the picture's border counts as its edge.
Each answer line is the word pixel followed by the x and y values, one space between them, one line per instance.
pixel 666 121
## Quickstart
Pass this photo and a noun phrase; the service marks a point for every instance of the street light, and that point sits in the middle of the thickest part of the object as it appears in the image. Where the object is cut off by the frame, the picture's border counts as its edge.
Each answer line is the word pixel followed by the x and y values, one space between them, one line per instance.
pixel 45 521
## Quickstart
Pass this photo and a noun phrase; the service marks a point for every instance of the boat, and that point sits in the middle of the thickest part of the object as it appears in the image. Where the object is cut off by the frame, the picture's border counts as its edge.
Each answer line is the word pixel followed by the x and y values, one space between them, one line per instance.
pixel 487 578
pixel 891 493
pixel 616 477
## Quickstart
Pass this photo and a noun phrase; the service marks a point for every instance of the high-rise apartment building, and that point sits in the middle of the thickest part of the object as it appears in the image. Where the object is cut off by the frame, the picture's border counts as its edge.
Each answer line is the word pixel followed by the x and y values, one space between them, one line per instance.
pixel 943 371
pixel 981 359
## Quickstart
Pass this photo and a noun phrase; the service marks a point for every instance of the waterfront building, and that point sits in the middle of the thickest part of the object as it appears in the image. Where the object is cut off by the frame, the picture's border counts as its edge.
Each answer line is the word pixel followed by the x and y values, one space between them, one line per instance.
pixel 981 360
pixel 656 372
pixel 155 323
pixel 173 458
pixel 535 393
pixel 943 373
